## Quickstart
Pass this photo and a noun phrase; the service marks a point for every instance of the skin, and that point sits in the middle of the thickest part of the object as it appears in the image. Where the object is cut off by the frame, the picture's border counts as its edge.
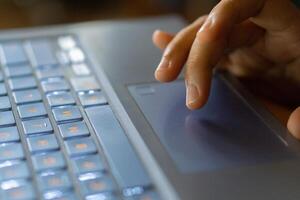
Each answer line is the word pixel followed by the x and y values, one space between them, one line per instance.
pixel 250 38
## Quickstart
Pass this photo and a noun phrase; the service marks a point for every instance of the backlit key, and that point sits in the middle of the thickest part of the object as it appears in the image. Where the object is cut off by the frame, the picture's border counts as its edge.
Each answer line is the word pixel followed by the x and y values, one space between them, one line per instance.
pixel 27 96
pixel 11 152
pixel 50 72
pixel 42 143
pixel 60 195
pixel 81 69
pixel 76 129
pixel 37 126
pixel 76 55
pixel 145 196
pixel 87 164
pixel 22 83
pixel 13 53
pixel 60 99
pixel 66 42
pixel 48 161
pixel 24 192
pixel 80 146
pixel 32 110
pixel 85 83
pixel 92 99
pixel 95 186
pixel 4 103
pixel 65 114
pixel 18 70
pixel 15 171
pixel 102 195
pixel 55 181
pixel 3 90
pixel 55 85
pixel 9 134
pixel 9 184
pixel 7 118
pixel 63 58
pixel 43 51
pixel 1 77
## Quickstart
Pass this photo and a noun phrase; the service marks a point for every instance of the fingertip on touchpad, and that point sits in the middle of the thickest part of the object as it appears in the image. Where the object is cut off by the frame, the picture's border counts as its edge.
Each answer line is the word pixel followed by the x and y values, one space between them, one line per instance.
pixel 224 133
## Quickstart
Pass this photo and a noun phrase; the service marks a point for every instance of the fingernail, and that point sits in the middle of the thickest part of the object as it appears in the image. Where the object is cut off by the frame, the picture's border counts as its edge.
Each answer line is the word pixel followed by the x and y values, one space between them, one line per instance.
pixel 293 123
pixel 157 31
pixel 164 64
pixel 192 94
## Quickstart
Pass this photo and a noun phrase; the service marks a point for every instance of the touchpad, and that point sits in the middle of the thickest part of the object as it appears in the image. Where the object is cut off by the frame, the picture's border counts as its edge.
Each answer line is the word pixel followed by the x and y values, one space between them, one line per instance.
pixel 225 133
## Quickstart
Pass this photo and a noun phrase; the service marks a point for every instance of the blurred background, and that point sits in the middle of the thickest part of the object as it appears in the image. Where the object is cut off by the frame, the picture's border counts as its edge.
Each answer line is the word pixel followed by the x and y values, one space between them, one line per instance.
pixel 24 13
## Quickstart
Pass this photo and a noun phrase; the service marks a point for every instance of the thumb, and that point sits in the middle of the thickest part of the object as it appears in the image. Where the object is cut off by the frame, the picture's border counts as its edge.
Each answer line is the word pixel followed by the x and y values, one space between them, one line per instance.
pixel 294 123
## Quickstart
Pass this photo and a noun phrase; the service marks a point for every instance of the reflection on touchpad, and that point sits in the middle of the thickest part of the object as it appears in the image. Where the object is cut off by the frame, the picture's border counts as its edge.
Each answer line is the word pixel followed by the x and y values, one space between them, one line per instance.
pixel 225 133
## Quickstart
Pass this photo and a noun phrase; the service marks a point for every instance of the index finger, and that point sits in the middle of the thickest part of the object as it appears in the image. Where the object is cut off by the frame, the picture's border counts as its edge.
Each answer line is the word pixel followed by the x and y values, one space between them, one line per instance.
pixel 210 43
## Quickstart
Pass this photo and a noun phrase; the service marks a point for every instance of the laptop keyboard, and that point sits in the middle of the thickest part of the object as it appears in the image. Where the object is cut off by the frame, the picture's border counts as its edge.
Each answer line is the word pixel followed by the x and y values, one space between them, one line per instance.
pixel 59 138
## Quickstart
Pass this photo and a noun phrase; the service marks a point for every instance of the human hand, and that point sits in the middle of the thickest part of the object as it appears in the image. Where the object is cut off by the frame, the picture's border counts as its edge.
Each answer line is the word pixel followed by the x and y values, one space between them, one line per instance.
pixel 257 38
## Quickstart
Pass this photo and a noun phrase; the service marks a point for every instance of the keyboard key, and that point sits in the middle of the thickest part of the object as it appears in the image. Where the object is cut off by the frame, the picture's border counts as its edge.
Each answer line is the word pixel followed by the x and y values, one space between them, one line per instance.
pixel 5 103
pixel 48 161
pixel 66 114
pixel 63 58
pixel 117 147
pixel 85 83
pixel 104 195
pixel 58 195
pixel 17 71
pixel 9 184
pixel 13 53
pixel 7 118
pixel 60 99
pixel 22 83
pixel 87 164
pixel 11 152
pixel 71 130
pixel 92 99
pixel 16 171
pixel 76 55
pixel 37 126
pixel 1 77
pixel 9 134
pixel 56 181
pixel 134 191
pixel 42 143
pixel 89 176
pixel 80 146
pixel 95 186
pixel 146 196
pixel 27 96
pixel 43 53
pixel 66 42
pixel 55 85
pixel 24 192
pixel 49 72
pixel 81 69
pixel 32 110
pixel 2 89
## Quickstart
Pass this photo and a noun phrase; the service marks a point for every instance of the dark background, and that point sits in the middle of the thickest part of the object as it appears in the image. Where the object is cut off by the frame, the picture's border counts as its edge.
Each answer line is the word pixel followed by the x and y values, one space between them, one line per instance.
pixel 24 13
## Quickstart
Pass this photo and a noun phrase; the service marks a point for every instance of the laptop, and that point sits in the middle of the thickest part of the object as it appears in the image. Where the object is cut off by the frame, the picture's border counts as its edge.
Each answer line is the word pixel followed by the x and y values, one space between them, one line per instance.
pixel 82 117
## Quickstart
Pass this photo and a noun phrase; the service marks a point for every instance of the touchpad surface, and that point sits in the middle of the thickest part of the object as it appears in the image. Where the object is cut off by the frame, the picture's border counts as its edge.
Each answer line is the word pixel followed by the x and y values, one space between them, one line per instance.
pixel 225 133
